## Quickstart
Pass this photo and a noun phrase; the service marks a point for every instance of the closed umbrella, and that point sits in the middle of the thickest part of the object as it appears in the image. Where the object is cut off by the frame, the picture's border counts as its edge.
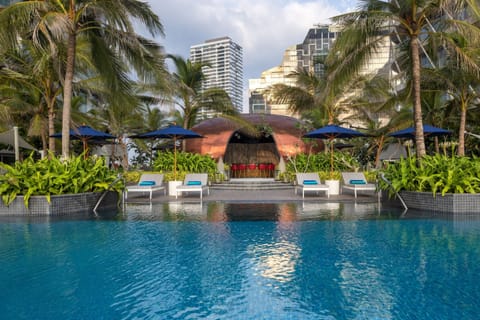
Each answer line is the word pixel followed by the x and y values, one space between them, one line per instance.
pixel 172 132
pixel 331 132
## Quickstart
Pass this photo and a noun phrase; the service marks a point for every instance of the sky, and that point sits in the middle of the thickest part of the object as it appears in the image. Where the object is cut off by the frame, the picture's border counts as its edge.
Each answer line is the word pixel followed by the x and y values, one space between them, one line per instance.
pixel 263 28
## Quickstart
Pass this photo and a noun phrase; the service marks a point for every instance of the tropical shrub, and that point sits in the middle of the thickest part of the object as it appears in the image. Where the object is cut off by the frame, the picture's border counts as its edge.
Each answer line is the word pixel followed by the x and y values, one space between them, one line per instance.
pixel 186 163
pixel 436 174
pixel 327 175
pixel 52 176
pixel 132 176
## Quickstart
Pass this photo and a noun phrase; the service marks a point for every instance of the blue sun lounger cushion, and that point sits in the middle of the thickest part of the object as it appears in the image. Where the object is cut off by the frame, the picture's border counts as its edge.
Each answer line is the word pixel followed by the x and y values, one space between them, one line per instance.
pixel 310 182
pixel 358 182
pixel 146 183
pixel 194 183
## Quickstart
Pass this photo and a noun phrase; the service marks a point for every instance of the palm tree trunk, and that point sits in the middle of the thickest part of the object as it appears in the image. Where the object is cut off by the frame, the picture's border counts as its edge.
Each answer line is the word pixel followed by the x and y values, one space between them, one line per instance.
pixel 124 151
pixel 67 94
pixel 379 151
pixel 185 125
pixel 44 142
pixel 417 102
pixel 51 126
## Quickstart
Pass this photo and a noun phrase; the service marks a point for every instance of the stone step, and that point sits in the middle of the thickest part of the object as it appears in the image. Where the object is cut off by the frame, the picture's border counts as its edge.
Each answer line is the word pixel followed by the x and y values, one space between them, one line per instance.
pixel 251 184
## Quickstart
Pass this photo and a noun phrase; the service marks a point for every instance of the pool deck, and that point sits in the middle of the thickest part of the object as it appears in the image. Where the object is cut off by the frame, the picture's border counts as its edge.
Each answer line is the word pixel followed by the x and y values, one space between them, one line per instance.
pixel 280 195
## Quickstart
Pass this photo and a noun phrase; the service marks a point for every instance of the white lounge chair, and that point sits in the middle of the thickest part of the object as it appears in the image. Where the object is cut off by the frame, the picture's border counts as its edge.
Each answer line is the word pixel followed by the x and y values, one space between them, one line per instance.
pixel 194 182
pixel 310 181
pixel 356 181
pixel 149 182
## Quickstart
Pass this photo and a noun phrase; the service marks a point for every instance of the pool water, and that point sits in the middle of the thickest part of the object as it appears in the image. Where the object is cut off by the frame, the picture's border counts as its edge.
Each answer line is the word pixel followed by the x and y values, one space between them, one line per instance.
pixel 242 261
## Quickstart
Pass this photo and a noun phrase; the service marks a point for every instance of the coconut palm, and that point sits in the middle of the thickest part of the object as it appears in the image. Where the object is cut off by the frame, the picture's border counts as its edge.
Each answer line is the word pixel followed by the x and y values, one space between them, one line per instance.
pixel 106 25
pixel 30 82
pixel 437 109
pixel 462 89
pixel 152 119
pixel 312 97
pixel 377 97
pixel 410 24
pixel 190 99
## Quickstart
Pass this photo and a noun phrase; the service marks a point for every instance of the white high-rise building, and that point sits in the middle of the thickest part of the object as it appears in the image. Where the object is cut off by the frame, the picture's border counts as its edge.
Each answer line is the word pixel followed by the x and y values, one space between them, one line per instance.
pixel 225 67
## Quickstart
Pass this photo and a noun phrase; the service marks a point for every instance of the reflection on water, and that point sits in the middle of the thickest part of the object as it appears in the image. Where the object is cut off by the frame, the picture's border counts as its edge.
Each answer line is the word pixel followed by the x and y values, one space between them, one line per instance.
pixel 245 211
pixel 276 261
pixel 243 261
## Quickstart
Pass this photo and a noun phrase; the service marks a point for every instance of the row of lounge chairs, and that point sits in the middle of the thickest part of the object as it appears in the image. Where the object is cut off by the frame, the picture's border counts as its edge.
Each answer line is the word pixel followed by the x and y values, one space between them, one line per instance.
pixel 151 182
pixel 354 181
pixel 198 183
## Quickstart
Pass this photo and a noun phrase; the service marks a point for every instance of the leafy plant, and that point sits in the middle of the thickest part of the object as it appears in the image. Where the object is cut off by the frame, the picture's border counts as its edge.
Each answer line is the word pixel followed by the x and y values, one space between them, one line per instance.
pixel 186 163
pixel 52 176
pixel 436 174
pixel 329 175
pixel 321 162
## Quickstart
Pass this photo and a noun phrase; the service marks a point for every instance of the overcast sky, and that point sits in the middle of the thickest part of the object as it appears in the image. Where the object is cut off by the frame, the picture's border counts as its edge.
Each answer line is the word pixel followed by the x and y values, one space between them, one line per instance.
pixel 263 28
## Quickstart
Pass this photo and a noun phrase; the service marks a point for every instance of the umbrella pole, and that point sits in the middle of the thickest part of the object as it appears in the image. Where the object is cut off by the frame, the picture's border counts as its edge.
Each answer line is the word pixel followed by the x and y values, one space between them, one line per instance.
pixel 84 148
pixel 174 158
pixel 331 158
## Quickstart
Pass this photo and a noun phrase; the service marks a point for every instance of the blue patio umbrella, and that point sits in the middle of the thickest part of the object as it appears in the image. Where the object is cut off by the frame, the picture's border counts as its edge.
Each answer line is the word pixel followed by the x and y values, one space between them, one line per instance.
pixel 331 132
pixel 428 131
pixel 172 132
pixel 85 134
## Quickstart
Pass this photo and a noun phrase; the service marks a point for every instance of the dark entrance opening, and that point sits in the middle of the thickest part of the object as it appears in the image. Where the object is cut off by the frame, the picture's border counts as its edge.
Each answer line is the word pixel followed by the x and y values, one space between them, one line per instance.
pixel 251 156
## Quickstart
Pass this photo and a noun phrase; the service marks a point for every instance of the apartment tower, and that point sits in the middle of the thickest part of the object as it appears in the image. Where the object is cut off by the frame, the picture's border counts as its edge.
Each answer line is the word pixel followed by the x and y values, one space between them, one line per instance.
pixel 225 68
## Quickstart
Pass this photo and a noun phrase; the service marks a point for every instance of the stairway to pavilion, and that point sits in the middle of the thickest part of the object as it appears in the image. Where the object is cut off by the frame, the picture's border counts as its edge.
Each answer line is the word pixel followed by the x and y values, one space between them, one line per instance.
pixel 251 184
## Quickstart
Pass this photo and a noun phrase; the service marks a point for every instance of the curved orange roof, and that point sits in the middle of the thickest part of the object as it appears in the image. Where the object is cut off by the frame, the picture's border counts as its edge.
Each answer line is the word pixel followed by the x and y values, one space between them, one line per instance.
pixel 217 132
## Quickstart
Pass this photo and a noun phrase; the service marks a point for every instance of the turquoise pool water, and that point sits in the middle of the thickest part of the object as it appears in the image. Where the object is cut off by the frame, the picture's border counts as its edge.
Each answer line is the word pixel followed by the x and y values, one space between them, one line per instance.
pixel 242 261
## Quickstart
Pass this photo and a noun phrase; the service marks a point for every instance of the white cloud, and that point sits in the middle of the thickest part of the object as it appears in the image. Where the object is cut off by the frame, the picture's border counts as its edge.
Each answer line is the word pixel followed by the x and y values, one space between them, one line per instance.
pixel 264 28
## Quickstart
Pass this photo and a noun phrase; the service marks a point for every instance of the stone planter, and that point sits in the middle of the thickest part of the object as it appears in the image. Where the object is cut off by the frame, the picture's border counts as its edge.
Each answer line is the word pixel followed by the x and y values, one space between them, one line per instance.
pixel 450 202
pixel 333 187
pixel 172 187
pixel 60 204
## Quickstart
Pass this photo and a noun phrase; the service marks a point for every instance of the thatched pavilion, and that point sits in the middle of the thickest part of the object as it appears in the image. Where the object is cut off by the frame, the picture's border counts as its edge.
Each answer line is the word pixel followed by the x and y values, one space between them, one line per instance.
pixel 225 139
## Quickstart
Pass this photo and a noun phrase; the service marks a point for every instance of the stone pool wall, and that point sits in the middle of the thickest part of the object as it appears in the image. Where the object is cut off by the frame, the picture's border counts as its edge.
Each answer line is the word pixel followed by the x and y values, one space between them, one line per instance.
pixel 451 202
pixel 60 204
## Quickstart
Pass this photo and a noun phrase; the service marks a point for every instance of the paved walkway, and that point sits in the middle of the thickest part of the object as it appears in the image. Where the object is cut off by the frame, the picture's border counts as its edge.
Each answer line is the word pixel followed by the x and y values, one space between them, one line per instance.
pixel 287 195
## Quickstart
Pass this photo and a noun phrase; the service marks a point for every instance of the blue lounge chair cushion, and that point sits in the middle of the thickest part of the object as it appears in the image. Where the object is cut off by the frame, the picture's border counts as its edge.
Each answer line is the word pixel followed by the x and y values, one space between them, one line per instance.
pixel 310 182
pixel 357 182
pixel 194 183
pixel 146 183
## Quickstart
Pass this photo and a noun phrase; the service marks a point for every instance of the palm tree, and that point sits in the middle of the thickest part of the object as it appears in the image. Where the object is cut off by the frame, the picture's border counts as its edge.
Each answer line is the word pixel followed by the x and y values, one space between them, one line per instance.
pixel 152 118
pixel 106 25
pixel 33 88
pixel 377 97
pixel 191 100
pixel 410 24
pixel 462 90
pixel 311 96
pixel 437 109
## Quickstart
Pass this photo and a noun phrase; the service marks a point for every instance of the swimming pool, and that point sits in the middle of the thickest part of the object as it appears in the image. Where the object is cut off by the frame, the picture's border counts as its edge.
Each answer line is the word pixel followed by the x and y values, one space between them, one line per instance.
pixel 242 261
